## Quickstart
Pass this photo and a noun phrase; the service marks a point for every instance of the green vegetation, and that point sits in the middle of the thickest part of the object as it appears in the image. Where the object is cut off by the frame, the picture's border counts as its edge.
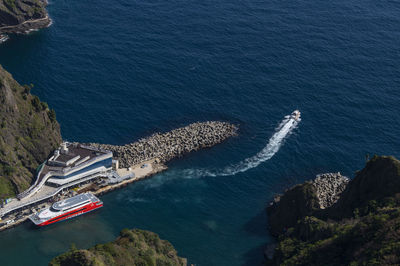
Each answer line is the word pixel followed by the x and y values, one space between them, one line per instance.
pixel 369 235
pixel 52 115
pixel 29 132
pixel 132 247
pixel 10 3
pixel 6 188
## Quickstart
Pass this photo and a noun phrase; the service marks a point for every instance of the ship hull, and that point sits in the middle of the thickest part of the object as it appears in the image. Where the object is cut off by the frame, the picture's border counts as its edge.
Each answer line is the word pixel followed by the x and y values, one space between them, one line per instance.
pixel 74 213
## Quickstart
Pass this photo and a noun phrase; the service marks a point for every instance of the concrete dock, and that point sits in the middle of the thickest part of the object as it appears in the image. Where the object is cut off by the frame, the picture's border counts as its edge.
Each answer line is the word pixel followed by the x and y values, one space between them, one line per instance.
pixel 136 172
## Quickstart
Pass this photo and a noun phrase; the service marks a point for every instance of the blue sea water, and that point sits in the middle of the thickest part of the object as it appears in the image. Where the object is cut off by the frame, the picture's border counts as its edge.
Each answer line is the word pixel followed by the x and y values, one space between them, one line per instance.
pixel 116 71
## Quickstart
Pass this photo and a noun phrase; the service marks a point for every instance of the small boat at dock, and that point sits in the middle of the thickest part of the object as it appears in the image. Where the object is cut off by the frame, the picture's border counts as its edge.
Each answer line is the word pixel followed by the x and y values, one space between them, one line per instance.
pixel 3 38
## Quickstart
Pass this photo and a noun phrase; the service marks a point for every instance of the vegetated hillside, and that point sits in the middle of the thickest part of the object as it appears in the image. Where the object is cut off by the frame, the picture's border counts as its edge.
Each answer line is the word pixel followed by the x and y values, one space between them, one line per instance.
pixel 29 132
pixel 132 247
pixel 14 12
pixel 362 228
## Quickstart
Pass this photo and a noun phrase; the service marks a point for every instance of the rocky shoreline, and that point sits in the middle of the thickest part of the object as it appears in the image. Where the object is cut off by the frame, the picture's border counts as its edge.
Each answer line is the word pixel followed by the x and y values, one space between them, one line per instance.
pixel 304 200
pixel 334 221
pixel 172 144
pixel 27 26
pixel 23 16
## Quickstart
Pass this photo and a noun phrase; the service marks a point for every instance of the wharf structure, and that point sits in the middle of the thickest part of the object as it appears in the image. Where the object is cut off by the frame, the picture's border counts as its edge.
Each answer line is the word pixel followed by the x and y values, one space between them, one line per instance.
pixel 102 167
pixel 70 165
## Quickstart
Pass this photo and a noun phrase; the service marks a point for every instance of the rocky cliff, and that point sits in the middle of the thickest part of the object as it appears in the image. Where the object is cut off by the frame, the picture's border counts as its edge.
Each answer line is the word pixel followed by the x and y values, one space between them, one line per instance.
pixel 132 247
pixel 29 132
pixel 22 15
pixel 362 227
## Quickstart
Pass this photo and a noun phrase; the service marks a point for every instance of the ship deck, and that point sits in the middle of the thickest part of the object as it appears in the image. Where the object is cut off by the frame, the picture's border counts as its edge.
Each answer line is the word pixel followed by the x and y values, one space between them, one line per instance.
pixel 70 202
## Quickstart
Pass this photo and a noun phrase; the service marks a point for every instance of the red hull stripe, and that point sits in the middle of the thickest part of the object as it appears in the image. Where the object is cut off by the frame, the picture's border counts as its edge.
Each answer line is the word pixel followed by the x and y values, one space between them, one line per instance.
pixel 87 208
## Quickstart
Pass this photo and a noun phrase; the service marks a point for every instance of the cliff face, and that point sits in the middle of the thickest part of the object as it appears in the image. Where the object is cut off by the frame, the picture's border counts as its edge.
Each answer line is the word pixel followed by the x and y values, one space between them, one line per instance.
pixel 304 200
pixel 379 179
pixel 361 228
pixel 132 247
pixel 29 132
pixel 22 15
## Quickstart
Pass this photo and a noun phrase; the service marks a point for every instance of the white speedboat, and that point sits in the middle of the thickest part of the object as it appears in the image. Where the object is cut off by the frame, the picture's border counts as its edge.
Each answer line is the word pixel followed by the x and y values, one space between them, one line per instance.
pixel 295 115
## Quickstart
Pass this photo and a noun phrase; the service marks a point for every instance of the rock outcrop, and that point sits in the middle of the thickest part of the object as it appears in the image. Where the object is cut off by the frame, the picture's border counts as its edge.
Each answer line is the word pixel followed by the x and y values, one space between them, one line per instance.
pixel 329 187
pixel 360 228
pixel 19 16
pixel 378 180
pixel 29 132
pixel 304 200
pixel 172 144
pixel 132 247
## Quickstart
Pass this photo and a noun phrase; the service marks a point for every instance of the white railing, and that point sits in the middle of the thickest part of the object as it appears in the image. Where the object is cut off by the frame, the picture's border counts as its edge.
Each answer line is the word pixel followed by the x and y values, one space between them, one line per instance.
pixel 35 187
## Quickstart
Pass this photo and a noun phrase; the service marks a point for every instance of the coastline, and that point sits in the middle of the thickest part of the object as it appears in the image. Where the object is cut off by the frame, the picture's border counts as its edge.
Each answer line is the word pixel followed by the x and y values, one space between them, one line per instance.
pixel 139 160
pixel 27 26
pixel 155 168
pixel 332 220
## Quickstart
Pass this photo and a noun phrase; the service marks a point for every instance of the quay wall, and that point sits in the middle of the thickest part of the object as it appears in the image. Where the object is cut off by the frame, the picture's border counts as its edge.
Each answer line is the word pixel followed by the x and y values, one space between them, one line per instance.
pixel 173 144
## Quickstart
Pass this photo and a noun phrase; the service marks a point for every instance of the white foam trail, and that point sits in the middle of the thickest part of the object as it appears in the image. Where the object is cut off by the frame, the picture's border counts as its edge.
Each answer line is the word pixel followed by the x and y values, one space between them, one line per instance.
pixel 284 129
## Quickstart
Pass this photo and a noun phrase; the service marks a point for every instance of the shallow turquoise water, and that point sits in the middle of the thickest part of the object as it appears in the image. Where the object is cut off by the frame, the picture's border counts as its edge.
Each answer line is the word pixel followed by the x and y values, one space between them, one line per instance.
pixel 116 71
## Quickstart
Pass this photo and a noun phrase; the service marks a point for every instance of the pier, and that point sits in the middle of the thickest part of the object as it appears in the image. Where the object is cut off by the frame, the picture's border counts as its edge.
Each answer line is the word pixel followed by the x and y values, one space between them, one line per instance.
pixel 76 168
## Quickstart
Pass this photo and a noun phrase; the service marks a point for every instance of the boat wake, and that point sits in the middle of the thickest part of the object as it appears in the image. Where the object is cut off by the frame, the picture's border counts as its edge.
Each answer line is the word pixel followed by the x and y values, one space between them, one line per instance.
pixel 285 128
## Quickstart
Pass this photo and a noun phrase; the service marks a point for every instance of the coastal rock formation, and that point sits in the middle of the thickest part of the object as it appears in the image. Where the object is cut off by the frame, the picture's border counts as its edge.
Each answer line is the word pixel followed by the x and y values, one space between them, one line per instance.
pixel 29 132
pixel 377 181
pixel 172 144
pixel 361 228
pixel 329 187
pixel 297 202
pixel 304 200
pixel 132 247
pixel 18 16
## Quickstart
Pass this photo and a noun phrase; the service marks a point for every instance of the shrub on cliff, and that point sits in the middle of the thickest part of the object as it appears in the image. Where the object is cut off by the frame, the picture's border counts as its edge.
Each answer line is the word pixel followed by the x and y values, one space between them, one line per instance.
pixel 132 247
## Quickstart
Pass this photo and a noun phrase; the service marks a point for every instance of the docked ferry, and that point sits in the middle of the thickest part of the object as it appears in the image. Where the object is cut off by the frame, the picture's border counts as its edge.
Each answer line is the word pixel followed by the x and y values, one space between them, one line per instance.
pixel 68 208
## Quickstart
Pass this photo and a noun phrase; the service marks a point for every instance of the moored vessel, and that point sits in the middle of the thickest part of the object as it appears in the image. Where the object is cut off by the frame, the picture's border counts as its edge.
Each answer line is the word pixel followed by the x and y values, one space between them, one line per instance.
pixel 3 38
pixel 66 209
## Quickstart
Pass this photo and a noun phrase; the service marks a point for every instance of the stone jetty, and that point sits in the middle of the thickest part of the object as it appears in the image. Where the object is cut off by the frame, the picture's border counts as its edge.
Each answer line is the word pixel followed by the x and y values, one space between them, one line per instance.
pixel 172 144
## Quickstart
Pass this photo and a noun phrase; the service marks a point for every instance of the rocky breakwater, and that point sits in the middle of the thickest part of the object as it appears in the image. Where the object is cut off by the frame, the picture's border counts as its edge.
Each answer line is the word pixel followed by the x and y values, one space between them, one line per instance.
pixel 334 221
pixel 172 144
pixel 21 16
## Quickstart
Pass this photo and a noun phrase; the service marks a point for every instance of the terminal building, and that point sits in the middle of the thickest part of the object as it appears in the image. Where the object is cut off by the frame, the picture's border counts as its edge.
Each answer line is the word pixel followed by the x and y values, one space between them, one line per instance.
pixel 71 164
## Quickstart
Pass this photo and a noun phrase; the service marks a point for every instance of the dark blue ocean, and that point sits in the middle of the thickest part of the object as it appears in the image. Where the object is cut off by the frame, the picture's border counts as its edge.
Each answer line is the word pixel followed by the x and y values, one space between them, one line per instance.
pixel 116 71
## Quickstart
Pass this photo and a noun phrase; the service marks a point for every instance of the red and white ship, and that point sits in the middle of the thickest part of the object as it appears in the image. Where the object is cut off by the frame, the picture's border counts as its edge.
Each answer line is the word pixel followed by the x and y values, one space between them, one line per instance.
pixel 68 208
